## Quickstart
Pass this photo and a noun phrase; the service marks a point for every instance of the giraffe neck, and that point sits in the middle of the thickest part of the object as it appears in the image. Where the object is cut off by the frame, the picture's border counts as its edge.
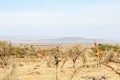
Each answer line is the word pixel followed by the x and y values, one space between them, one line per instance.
pixel 96 47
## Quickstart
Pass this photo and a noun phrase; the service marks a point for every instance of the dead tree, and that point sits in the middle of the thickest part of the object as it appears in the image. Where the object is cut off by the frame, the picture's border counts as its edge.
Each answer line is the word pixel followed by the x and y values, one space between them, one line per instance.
pixel 74 53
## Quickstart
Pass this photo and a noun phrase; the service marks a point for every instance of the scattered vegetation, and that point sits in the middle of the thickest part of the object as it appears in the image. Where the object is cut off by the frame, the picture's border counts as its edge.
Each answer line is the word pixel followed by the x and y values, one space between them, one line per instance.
pixel 105 47
pixel 57 56
pixel 74 53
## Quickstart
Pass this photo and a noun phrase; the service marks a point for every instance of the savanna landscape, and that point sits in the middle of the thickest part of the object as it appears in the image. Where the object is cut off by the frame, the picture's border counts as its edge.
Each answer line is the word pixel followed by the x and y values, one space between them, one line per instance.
pixel 59 62
pixel 59 40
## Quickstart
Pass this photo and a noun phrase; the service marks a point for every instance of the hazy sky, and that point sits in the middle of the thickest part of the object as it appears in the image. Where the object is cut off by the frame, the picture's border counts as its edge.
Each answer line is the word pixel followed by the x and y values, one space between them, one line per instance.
pixel 61 18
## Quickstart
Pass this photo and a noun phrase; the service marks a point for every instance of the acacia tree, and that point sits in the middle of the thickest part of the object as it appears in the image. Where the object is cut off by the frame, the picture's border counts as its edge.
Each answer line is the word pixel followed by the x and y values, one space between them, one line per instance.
pixel 56 53
pixel 64 57
pixel 74 53
pixel 4 52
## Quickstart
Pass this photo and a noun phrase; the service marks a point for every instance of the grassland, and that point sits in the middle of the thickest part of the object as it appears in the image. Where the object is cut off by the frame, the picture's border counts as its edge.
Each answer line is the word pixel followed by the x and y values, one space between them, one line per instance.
pixel 59 62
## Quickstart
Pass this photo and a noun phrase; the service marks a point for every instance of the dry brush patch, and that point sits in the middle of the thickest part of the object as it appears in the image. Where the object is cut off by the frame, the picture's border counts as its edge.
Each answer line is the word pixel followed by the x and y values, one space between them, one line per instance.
pixel 57 57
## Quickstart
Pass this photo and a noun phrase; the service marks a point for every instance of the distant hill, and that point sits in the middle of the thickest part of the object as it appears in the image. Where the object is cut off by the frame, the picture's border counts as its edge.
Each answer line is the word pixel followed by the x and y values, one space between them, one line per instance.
pixel 68 40
pixel 63 40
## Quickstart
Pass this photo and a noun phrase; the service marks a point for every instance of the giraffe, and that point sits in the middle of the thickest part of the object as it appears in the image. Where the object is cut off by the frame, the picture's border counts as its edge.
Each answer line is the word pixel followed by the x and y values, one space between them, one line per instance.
pixel 99 53
pixel 42 53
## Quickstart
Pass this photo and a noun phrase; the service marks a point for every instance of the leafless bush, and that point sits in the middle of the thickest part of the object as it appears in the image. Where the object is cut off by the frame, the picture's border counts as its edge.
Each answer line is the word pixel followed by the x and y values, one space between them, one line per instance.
pixel 55 52
pixel 110 56
pixel 74 53
pixel 52 56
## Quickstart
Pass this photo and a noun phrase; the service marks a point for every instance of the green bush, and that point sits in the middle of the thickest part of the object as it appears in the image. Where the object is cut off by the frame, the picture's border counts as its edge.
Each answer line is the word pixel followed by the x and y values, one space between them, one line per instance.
pixel 109 47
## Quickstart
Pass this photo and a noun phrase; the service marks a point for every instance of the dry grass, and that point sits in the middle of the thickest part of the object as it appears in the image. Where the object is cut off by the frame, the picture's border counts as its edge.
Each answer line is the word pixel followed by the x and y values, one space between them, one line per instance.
pixel 73 62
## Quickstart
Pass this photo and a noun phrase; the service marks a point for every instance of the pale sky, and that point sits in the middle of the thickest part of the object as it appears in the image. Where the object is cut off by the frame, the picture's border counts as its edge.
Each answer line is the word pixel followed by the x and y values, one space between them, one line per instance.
pixel 60 18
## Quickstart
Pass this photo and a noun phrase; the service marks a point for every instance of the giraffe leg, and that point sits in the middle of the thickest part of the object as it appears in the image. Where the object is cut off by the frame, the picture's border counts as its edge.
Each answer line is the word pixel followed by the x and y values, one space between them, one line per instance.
pixel 98 61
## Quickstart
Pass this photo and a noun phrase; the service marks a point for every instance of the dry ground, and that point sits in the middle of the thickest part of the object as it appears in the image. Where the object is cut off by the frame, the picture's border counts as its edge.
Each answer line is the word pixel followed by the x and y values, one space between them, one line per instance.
pixel 34 69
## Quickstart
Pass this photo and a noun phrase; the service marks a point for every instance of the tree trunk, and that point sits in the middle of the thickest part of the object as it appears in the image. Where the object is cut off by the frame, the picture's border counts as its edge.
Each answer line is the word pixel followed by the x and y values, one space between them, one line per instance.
pixel 56 76
pixel 63 64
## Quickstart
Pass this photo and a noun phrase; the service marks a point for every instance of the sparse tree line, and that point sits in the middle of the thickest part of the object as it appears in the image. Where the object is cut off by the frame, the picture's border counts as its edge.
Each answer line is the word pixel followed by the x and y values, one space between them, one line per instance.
pixel 103 54
pixel 7 49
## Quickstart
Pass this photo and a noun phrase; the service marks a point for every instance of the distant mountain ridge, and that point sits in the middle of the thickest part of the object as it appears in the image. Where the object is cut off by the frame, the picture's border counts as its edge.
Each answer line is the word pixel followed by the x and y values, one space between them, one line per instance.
pixel 62 40
pixel 76 40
